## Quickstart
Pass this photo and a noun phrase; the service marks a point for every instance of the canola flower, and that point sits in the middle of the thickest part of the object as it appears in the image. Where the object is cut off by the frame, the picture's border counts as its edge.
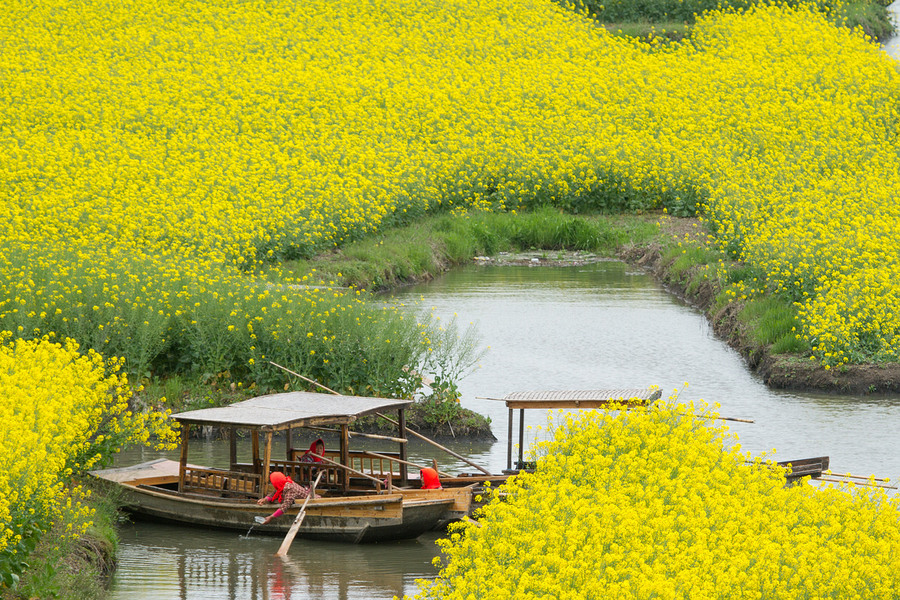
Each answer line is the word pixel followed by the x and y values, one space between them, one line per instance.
pixel 62 412
pixel 659 503
pixel 152 157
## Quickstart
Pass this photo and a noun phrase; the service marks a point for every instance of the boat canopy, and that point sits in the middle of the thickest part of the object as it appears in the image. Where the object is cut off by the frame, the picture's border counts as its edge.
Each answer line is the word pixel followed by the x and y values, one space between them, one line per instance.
pixel 276 412
pixel 580 398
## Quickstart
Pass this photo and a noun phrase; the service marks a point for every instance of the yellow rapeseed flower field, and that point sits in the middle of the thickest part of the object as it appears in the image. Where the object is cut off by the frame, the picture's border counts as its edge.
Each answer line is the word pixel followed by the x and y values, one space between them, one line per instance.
pixel 659 503
pixel 150 154
pixel 153 156
pixel 61 411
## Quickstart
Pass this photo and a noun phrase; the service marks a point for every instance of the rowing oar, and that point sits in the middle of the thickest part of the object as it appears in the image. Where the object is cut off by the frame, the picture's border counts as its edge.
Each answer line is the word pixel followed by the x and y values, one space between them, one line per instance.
pixel 295 526
pixel 851 476
pixel 388 419
pixel 859 483
pixel 360 434
pixel 405 462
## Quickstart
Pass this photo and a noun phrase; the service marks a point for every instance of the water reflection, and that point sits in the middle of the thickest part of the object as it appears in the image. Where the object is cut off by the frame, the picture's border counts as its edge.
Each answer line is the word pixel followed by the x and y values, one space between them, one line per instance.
pixel 161 561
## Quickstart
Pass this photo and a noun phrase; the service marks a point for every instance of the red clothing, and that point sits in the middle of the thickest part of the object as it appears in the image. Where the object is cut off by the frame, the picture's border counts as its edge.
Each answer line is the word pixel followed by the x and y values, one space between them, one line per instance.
pixel 279 480
pixel 290 492
pixel 430 479
pixel 317 447
pixel 286 492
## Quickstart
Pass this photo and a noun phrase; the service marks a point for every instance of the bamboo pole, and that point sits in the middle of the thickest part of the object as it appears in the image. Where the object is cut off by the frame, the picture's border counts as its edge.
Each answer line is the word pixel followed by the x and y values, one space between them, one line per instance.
pixel 436 445
pixel 405 462
pixel 374 436
pixel 860 483
pixel 851 476
pixel 312 381
pixel 295 526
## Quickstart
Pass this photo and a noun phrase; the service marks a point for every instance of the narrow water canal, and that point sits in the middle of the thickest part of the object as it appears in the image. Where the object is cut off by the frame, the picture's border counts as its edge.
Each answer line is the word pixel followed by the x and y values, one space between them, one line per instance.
pixel 594 326
pixel 892 46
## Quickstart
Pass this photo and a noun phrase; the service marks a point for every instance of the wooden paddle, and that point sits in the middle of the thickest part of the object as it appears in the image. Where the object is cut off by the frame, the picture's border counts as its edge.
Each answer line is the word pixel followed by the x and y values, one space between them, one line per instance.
pixel 295 526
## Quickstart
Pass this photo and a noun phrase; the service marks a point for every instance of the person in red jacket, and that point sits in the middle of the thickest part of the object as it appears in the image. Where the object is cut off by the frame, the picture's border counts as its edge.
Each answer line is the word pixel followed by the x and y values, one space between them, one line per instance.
pixel 430 479
pixel 286 492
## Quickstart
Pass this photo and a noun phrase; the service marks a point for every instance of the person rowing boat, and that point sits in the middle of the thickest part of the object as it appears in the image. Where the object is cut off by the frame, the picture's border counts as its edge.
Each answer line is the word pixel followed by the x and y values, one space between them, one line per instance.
pixel 287 491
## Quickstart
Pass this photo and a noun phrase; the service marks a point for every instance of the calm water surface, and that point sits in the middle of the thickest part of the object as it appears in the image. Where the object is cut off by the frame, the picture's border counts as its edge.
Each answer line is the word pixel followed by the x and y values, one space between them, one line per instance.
pixel 596 326
pixel 892 46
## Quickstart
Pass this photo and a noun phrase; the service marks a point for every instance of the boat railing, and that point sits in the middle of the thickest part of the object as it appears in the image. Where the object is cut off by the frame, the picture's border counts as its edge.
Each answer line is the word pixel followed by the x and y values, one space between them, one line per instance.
pixel 304 472
pixel 221 481
pixel 375 466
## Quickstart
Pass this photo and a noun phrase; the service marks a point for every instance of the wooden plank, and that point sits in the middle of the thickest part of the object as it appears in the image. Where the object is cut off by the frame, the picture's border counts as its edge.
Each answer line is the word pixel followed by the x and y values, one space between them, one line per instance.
pixel 251 506
pixel 461 497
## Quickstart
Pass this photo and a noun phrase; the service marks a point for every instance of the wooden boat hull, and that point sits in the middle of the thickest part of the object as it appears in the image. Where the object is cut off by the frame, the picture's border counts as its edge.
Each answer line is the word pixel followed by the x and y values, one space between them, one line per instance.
pixel 356 519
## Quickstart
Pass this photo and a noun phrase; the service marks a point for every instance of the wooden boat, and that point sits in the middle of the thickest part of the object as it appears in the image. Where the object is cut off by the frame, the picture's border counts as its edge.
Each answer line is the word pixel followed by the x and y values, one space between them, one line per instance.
pixel 601 399
pixel 364 498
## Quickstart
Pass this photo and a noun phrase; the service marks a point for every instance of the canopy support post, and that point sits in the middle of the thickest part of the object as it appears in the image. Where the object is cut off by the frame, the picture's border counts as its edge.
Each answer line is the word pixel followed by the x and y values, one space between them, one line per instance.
pixel 521 436
pixel 267 458
pixel 182 465
pixel 289 442
pixel 232 447
pixel 401 420
pixel 509 443
pixel 345 453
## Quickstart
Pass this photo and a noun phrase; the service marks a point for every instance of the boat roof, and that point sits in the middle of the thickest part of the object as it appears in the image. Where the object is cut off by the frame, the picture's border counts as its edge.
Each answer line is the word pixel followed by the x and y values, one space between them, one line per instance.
pixel 276 412
pixel 581 398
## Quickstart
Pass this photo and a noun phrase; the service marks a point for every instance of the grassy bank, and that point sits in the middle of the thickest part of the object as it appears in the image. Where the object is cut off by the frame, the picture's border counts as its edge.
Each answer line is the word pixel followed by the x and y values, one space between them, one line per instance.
pixel 665 20
pixel 417 253
pixel 746 310
pixel 61 566
pixel 535 106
